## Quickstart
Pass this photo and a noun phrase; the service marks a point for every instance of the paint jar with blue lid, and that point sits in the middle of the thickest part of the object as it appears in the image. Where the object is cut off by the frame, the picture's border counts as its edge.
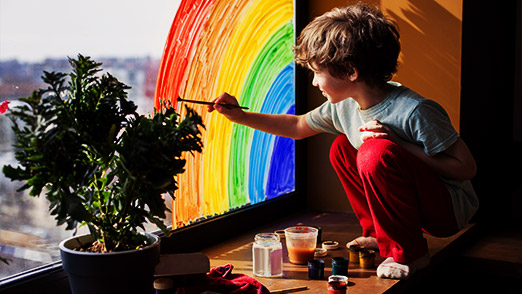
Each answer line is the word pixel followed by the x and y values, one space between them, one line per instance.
pixel 316 269
pixel 340 266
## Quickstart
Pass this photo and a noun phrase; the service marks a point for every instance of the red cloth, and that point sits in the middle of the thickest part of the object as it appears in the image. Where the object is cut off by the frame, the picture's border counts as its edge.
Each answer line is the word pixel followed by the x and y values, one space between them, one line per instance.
pixel 395 196
pixel 221 280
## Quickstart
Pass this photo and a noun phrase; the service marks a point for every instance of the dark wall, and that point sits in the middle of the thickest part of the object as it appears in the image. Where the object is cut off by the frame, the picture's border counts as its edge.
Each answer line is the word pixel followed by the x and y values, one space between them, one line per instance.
pixel 490 93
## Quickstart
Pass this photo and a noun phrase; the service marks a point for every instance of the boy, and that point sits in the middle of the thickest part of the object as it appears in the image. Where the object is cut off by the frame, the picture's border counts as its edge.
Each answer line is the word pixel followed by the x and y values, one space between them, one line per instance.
pixel 404 168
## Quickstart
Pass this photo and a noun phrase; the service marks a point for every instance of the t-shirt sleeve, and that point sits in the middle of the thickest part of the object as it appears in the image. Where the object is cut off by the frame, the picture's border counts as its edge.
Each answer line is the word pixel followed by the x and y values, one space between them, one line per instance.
pixel 321 119
pixel 431 126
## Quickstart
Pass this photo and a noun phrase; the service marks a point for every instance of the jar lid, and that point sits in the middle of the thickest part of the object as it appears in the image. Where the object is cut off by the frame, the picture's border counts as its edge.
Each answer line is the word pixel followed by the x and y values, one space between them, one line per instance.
pixel 163 284
pixel 356 248
pixel 338 278
pixel 330 245
pixel 340 261
pixel 320 252
pixel 267 237
pixel 280 233
pixel 316 263
pixel 367 253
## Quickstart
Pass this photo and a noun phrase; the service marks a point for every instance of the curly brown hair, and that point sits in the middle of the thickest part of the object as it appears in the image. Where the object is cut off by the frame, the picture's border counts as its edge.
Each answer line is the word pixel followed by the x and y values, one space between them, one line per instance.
pixel 356 36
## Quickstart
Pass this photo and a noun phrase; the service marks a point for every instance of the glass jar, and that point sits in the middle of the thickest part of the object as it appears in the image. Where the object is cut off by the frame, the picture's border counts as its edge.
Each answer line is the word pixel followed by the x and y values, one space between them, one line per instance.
pixel 267 255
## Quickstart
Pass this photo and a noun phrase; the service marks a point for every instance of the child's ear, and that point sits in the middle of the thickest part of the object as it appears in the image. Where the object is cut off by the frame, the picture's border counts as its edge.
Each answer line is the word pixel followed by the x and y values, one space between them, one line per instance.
pixel 353 77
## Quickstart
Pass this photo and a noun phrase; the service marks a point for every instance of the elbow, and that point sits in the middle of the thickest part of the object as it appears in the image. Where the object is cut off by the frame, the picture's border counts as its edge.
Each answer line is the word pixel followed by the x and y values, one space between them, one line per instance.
pixel 299 137
pixel 473 171
pixel 464 176
pixel 470 168
pixel 469 165
pixel 459 172
pixel 467 172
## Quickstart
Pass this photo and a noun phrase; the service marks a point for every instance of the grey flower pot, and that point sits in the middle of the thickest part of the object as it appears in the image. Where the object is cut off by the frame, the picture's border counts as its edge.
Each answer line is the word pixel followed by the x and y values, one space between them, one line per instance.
pixel 116 272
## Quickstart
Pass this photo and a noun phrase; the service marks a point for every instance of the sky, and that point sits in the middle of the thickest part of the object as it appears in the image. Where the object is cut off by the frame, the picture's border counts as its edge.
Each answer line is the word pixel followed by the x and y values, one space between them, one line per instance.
pixel 32 30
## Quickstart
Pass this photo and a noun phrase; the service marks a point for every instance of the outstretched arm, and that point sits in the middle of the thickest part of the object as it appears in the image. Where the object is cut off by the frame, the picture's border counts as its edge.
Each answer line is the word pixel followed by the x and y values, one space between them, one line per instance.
pixel 286 125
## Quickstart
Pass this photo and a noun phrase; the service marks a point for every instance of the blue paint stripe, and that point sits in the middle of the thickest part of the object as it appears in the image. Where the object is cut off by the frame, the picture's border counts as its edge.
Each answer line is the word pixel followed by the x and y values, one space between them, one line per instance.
pixel 279 99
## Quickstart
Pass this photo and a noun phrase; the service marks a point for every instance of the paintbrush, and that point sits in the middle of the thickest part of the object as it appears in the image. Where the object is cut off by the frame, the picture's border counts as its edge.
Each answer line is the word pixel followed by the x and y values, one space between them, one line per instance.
pixel 230 106
pixel 289 290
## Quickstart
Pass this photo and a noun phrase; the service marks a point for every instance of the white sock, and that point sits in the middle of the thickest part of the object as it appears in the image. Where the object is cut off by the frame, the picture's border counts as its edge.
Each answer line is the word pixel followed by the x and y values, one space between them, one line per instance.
pixel 394 270
pixel 368 242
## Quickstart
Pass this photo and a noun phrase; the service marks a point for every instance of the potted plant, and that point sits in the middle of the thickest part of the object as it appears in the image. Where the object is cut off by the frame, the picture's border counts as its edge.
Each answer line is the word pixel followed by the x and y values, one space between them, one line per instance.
pixel 101 165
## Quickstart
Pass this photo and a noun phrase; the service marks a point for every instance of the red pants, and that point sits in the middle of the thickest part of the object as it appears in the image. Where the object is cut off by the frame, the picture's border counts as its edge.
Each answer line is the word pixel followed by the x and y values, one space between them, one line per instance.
pixel 395 196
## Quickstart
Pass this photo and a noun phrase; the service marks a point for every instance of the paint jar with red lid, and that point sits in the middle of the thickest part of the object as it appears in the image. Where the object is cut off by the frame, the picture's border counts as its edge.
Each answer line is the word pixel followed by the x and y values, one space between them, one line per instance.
pixel 337 284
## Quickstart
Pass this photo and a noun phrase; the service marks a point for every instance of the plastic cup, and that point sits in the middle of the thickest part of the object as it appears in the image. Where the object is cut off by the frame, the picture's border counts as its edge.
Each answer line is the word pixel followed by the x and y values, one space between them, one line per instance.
pixel 300 242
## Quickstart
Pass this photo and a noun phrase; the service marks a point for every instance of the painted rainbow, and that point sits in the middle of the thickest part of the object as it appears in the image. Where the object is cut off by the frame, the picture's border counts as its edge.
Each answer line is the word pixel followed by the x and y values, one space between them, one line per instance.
pixel 243 47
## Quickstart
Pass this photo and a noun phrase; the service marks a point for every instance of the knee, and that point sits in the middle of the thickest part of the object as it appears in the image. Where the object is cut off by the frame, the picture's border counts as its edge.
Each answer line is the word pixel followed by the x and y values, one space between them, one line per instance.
pixel 337 150
pixel 375 154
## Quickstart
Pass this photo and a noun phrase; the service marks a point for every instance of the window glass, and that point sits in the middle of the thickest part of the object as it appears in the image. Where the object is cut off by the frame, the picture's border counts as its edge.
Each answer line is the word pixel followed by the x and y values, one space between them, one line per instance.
pixel 243 48
pixel 127 36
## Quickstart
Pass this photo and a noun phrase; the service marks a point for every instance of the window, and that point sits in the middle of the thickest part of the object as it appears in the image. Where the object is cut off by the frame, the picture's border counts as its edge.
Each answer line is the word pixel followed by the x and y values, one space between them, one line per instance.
pixel 126 36
pixel 253 175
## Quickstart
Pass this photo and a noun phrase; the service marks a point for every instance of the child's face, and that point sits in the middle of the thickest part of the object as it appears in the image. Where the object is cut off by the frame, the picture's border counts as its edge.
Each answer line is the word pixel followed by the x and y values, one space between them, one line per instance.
pixel 334 89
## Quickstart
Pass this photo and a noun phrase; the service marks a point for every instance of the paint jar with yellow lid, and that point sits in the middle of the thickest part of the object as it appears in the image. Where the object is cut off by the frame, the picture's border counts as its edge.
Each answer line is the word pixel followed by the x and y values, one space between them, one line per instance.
pixel 367 259
pixel 354 253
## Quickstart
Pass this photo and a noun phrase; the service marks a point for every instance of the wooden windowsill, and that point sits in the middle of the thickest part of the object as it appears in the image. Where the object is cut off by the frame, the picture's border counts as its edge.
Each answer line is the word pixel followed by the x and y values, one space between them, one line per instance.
pixel 341 227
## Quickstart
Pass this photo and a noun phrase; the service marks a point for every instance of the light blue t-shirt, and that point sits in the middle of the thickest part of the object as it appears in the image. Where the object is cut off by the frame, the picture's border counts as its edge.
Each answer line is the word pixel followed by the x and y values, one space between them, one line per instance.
pixel 414 119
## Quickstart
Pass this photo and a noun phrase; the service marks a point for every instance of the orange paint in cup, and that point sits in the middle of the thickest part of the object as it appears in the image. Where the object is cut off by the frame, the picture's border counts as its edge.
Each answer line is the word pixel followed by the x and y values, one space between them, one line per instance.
pixel 301 242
